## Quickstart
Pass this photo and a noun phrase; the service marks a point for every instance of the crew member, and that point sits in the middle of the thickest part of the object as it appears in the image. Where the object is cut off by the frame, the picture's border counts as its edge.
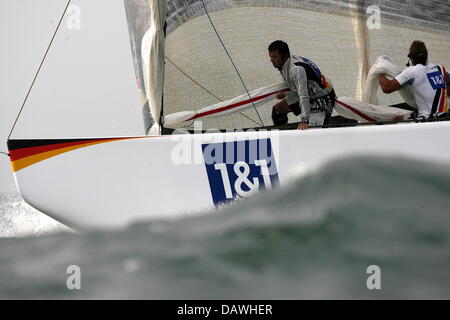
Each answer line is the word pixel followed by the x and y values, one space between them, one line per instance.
pixel 429 82
pixel 312 95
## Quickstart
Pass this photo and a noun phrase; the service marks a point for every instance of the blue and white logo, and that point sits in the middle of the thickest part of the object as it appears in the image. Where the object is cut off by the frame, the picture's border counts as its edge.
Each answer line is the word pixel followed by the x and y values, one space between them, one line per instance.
pixel 436 80
pixel 238 169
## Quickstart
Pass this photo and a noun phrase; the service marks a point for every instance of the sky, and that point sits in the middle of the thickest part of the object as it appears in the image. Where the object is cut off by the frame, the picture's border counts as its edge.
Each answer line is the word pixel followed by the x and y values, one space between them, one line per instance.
pixel 87 86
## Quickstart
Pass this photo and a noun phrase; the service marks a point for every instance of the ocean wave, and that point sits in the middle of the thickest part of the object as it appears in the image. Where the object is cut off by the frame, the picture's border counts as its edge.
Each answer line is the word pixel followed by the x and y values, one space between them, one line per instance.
pixel 313 238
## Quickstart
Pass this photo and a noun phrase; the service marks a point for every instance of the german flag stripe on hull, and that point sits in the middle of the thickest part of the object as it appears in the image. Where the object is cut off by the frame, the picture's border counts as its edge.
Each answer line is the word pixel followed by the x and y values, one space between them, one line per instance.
pixel 25 153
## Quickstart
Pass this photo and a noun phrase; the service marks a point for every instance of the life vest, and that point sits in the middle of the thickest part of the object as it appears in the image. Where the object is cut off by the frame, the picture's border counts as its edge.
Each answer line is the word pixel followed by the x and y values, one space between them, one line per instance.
pixel 313 72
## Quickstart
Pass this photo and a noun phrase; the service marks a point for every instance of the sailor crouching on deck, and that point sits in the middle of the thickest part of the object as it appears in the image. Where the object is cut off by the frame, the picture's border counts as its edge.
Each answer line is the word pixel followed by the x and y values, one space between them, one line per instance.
pixel 429 82
pixel 312 95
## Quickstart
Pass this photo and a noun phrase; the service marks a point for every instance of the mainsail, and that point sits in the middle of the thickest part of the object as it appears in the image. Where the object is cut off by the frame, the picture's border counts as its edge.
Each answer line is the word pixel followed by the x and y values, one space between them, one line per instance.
pixel 343 37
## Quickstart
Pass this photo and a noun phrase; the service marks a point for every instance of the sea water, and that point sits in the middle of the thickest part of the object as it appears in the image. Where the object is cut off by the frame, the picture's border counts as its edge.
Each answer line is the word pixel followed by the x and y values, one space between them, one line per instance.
pixel 361 228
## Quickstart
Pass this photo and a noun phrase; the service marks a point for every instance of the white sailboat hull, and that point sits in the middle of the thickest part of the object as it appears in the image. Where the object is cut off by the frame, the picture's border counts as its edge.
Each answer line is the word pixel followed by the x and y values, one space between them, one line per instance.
pixel 113 182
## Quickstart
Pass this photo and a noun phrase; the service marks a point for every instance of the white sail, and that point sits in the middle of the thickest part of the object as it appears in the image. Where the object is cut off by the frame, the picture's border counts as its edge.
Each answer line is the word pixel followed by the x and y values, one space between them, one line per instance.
pixel 138 18
pixel 385 65
pixel 153 58
pixel 347 107
pixel 146 21
pixel 257 98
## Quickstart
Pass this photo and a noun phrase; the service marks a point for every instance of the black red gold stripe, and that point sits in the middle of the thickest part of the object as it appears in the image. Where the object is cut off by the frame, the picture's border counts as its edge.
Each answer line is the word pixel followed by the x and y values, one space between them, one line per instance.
pixel 25 153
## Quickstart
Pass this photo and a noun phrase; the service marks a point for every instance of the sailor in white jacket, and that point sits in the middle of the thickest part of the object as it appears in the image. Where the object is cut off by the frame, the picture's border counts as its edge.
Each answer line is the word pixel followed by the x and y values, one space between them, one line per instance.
pixel 312 95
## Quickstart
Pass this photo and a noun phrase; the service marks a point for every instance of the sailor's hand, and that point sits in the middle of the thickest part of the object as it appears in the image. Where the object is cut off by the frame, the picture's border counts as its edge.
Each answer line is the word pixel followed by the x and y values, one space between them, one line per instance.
pixel 302 126
pixel 282 107
pixel 281 95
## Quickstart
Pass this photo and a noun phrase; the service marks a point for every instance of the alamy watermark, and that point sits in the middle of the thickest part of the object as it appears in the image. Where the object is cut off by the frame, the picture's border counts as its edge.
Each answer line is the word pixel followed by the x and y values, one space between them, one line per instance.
pixel 218 148
pixel 374 18
pixel 73 281
pixel 73 21
pixel 374 280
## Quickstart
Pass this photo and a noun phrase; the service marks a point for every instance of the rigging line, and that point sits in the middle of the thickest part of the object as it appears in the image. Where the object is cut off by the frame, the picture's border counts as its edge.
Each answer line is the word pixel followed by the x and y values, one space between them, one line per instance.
pixel 231 59
pixel 193 80
pixel 39 69
pixel 208 91
pixel 249 118
pixel 6 154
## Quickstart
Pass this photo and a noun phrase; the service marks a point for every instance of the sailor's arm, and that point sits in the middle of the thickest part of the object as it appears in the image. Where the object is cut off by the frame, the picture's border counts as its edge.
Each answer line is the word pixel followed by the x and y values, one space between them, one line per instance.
pixel 300 80
pixel 388 86
pixel 406 77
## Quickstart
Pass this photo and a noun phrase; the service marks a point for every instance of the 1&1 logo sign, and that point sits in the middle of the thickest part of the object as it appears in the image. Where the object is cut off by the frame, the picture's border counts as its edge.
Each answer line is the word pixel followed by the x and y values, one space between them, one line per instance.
pixel 436 80
pixel 239 168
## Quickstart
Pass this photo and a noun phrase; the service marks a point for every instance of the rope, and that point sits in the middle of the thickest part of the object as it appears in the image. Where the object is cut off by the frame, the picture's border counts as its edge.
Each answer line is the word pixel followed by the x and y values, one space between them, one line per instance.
pixel 250 118
pixel 6 154
pixel 194 81
pixel 39 69
pixel 231 59
pixel 205 89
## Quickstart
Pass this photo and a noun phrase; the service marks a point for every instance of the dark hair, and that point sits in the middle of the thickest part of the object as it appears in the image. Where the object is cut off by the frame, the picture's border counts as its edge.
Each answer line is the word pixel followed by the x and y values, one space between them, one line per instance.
pixel 281 47
pixel 418 53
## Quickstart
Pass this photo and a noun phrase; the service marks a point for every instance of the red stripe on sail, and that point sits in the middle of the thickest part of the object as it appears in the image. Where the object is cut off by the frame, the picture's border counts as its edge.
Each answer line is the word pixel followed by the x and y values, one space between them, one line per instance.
pixel 232 106
pixel 359 113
